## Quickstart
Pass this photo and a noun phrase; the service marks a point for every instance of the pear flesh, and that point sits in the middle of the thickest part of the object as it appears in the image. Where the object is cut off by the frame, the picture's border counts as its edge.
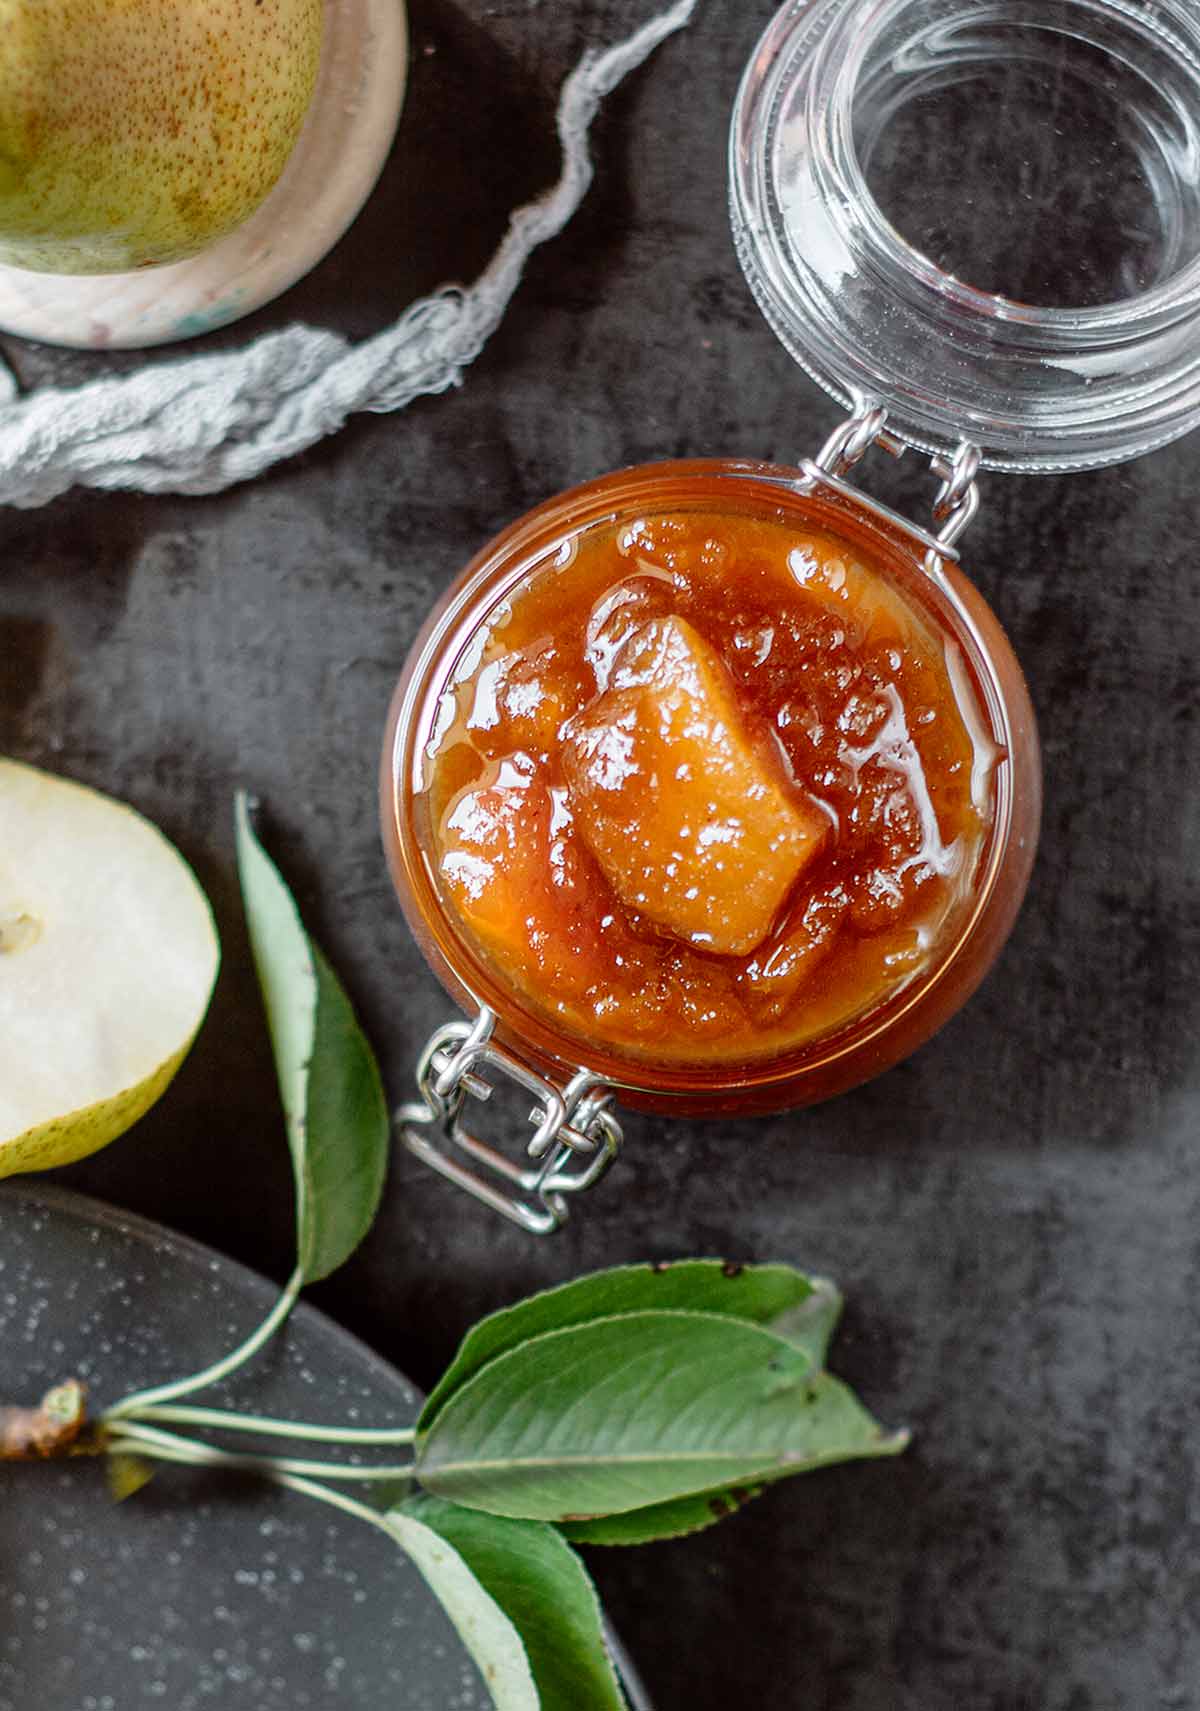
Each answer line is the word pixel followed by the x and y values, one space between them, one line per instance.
pixel 134 132
pixel 108 956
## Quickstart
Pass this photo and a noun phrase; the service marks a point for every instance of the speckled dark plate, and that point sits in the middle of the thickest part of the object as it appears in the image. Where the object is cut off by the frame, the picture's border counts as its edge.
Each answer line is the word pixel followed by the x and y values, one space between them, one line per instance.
pixel 203 1590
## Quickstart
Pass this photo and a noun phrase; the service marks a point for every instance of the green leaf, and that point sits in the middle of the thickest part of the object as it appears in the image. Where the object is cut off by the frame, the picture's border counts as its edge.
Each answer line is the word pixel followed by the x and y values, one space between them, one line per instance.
pixel 760 1293
pixel 535 1582
pixel 348 1130
pixel 482 1625
pixel 809 1324
pixel 127 1474
pixel 333 1101
pixel 621 1413
pixel 673 1520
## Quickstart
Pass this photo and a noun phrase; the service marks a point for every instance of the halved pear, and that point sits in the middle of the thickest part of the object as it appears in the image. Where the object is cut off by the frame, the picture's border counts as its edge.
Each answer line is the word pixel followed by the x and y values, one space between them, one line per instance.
pixel 108 954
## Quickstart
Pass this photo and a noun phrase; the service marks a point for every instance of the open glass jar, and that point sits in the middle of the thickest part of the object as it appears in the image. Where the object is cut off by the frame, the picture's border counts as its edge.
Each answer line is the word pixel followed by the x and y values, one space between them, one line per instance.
pixel 714 786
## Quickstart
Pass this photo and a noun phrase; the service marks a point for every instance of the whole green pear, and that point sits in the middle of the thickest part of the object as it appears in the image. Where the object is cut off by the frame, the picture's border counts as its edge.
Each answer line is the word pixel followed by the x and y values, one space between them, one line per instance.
pixel 134 132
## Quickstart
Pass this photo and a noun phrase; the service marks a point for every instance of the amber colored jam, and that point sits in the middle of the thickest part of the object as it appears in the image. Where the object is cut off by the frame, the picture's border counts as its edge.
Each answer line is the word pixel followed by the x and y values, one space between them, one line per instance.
pixel 707 786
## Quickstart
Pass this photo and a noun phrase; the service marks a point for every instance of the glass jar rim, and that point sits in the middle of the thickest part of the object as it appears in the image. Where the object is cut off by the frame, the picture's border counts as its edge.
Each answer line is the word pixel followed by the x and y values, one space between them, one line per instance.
pixel 1036 388
pixel 446 638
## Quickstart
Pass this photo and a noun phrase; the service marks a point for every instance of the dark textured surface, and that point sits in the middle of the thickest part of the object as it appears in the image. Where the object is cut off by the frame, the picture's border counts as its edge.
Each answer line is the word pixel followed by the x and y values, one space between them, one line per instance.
pixel 1013 1213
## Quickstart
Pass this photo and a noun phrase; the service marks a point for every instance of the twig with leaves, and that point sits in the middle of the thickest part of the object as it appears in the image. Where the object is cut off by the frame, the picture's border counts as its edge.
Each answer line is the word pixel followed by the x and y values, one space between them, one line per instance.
pixel 640 1403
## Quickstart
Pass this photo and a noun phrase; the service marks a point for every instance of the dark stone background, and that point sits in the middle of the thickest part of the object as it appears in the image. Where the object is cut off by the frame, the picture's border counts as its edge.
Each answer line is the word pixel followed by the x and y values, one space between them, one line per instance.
pixel 1012 1213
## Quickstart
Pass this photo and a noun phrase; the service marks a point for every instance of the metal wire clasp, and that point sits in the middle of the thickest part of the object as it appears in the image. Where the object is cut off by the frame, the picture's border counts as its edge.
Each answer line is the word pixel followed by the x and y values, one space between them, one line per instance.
pixel 957 499
pixel 954 504
pixel 575 1140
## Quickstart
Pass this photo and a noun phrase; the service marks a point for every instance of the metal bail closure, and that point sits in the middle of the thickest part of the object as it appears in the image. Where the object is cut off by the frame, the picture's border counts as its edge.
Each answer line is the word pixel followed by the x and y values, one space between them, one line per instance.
pixel 575 1140
pixel 955 503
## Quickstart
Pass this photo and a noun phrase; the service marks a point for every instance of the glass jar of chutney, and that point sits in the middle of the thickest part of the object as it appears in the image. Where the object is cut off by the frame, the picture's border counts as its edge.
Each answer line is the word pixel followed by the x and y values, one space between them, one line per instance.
pixel 714 785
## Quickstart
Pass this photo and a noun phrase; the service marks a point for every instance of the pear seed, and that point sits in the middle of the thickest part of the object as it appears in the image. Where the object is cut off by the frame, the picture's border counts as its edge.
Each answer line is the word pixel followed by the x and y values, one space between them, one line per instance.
pixel 18 931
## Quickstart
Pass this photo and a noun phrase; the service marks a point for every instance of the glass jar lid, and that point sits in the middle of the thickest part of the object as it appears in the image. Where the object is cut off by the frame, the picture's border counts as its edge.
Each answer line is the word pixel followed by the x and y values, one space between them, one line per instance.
pixel 983 215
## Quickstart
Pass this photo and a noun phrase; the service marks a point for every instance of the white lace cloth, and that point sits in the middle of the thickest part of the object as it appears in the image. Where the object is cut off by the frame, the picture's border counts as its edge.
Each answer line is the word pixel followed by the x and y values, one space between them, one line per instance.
pixel 203 423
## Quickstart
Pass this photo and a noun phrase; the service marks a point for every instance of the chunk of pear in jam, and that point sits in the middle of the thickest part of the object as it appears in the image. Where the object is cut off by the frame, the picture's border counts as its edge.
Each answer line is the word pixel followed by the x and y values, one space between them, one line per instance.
pixel 868 605
pixel 494 852
pixel 516 877
pixel 688 811
pixel 774 975
pixel 527 693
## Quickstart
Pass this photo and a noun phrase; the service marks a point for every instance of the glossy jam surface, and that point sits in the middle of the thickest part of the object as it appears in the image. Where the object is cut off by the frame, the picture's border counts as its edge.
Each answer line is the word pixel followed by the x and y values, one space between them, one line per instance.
pixel 707 787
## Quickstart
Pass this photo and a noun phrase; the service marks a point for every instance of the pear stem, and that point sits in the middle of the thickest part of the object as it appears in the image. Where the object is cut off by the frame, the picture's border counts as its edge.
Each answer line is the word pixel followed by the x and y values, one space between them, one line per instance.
pixel 131 1406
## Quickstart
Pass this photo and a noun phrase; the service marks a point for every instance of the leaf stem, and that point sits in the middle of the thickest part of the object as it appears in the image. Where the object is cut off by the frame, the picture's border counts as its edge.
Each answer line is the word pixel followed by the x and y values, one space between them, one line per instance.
pixel 224 1420
pixel 131 1406
pixel 338 1500
pixel 169 1446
